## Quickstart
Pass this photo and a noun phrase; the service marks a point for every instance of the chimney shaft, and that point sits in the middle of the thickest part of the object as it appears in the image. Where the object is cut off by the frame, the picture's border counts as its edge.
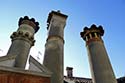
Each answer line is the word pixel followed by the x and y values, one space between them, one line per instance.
pixel 23 40
pixel 53 56
pixel 100 65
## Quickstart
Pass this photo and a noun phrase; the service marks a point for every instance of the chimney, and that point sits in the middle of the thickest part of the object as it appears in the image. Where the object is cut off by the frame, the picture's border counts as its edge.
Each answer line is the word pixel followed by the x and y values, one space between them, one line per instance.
pixel 54 47
pixel 101 69
pixel 69 72
pixel 23 40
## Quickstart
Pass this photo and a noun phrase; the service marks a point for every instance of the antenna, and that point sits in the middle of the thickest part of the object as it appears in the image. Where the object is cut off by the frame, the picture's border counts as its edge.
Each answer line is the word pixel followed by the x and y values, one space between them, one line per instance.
pixel 39 54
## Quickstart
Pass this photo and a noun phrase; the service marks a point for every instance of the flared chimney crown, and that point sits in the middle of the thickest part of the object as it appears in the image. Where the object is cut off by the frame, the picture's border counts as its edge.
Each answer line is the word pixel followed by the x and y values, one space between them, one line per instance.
pixel 30 22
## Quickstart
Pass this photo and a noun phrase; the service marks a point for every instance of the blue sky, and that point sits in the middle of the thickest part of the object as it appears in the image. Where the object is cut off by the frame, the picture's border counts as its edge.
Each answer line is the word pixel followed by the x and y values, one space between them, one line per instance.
pixel 108 13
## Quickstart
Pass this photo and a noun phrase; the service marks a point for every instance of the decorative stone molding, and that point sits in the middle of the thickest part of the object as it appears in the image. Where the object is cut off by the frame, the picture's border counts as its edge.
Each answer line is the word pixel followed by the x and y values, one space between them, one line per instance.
pixel 23 36
pixel 56 37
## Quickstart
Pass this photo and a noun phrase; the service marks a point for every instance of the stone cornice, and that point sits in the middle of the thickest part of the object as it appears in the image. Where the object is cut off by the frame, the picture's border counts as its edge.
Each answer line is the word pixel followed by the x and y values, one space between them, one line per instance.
pixel 4 58
pixel 22 71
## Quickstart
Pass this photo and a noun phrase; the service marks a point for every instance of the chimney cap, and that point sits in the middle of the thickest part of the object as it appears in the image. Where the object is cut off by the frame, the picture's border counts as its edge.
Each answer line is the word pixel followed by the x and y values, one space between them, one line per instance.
pixel 69 72
pixel 31 22
pixel 58 12
pixel 93 28
pixel 69 68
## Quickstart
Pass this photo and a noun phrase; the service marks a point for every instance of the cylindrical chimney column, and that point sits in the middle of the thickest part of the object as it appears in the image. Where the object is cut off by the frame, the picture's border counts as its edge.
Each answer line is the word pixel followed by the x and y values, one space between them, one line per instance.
pixel 23 40
pixel 54 48
pixel 100 65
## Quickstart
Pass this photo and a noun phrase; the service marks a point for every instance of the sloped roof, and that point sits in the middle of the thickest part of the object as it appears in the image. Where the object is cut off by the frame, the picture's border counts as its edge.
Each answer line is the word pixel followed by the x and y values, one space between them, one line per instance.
pixel 38 67
pixel 87 80
pixel 7 62
pixel 77 79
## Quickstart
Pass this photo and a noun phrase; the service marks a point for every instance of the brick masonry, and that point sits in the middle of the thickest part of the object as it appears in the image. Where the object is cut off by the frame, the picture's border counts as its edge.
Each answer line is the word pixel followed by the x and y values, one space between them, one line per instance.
pixel 12 77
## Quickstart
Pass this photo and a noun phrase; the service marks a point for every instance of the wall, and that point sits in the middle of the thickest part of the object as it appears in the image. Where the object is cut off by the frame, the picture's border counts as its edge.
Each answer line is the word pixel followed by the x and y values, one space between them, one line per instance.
pixel 12 77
